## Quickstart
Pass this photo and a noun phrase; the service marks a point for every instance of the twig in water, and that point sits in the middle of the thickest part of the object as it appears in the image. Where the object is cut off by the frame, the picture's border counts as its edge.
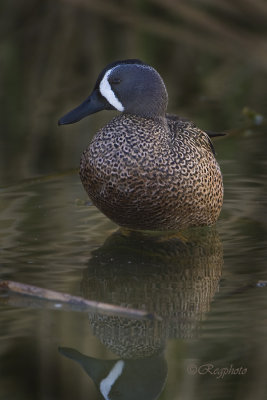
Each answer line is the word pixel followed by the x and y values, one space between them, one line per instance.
pixel 65 301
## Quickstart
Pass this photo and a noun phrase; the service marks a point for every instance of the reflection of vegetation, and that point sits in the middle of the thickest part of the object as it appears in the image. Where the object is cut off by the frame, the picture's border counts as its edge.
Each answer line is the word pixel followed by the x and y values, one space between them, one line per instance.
pixel 211 55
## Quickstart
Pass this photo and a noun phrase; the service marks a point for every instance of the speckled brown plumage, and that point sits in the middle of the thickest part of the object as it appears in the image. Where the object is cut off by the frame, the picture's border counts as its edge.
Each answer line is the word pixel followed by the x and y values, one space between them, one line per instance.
pixel 146 169
pixel 174 276
pixel 155 174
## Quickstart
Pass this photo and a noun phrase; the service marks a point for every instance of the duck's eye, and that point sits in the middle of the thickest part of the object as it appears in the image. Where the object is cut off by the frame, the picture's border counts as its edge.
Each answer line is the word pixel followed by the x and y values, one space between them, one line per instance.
pixel 115 81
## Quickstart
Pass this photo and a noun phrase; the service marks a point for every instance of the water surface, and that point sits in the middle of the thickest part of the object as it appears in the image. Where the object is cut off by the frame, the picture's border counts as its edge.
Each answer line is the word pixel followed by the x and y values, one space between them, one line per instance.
pixel 206 284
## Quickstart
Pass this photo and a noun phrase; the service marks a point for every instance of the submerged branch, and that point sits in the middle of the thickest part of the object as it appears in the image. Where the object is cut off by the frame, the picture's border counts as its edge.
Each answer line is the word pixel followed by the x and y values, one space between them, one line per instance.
pixel 46 298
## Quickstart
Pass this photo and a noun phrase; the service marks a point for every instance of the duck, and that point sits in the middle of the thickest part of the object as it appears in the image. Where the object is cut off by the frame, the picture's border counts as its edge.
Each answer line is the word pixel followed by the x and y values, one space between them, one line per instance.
pixel 147 169
pixel 130 379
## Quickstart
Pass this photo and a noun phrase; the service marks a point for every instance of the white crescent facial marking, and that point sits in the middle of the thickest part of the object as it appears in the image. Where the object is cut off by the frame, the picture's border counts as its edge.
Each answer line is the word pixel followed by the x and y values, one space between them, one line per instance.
pixel 107 92
pixel 107 383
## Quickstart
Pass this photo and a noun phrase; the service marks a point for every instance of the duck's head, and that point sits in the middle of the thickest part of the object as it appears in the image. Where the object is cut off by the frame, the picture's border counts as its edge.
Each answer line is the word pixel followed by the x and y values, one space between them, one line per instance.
pixel 128 86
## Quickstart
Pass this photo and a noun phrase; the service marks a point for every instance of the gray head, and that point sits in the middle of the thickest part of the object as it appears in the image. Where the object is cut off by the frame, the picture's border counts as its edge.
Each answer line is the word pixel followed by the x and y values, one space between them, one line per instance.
pixel 128 86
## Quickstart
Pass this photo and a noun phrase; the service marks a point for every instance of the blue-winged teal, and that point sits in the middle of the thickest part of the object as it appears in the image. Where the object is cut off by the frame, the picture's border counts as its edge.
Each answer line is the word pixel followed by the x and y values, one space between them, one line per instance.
pixel 141 378
pixel 146 169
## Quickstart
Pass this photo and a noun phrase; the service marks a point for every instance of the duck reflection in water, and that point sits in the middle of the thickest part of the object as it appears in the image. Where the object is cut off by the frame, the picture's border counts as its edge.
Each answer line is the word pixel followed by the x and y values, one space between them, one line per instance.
pixel 172 275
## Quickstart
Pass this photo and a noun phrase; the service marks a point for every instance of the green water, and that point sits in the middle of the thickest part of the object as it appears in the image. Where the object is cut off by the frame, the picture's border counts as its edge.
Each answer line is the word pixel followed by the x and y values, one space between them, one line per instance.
pixel 205 284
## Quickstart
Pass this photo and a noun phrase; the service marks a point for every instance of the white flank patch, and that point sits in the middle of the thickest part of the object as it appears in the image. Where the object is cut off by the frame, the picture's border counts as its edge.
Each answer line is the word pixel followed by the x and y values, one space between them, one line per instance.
pixel 107 92
pixel 107 383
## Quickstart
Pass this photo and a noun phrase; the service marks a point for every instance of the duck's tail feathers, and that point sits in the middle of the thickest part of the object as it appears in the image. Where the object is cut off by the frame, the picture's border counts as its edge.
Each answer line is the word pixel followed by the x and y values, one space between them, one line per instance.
pixel 214 134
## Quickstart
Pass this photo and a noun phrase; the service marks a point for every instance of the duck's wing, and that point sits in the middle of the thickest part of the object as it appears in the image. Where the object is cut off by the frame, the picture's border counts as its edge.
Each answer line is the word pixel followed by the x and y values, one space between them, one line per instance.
pixel 179 125
pixel 174 117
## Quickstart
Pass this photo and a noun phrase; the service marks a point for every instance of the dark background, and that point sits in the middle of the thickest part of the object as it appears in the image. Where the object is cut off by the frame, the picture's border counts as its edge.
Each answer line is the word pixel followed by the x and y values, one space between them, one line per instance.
pixel 211 54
